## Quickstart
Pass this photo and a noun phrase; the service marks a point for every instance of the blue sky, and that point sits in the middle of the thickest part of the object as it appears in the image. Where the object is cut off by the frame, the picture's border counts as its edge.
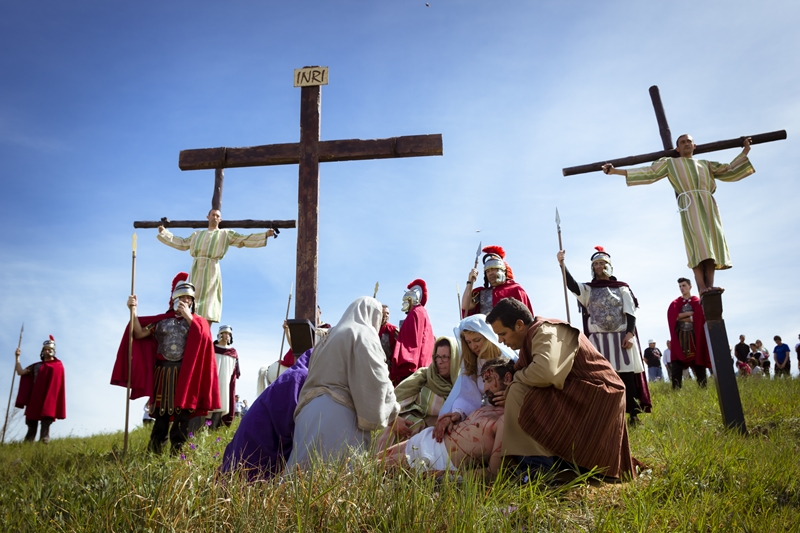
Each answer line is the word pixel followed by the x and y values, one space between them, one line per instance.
pixel 97 99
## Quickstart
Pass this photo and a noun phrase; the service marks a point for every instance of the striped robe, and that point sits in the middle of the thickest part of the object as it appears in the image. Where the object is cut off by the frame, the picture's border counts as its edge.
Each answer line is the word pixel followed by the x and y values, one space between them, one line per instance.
pixel 695 182
pixel 208 247
pixel 568 401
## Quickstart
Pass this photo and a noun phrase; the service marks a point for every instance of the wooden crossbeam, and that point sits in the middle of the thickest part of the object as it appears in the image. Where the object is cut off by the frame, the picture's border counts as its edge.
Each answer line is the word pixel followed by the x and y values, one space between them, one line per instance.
pixel 329 151
pixel 199 224
pixel 738 142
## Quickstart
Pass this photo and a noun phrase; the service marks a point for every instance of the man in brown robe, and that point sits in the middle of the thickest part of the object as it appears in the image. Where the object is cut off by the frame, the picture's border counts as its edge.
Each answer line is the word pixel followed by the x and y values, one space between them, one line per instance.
pixel 565 401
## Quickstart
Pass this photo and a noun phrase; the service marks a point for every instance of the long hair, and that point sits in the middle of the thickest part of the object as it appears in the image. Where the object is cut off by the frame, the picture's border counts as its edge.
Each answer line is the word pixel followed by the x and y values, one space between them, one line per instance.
pixel 470 358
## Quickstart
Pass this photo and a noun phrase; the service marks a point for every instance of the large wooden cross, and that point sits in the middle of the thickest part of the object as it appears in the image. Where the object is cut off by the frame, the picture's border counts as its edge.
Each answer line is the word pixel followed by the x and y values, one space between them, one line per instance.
pixel 716 335
pixel 309 153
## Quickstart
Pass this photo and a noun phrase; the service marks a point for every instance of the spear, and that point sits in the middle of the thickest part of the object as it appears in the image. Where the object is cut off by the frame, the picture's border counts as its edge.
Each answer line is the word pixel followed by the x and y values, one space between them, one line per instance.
pixel 375 292
pixel 563 268
pixel 130 348
pixel 13 375
pixel 461 307
pixel 283 338
pixel 458 298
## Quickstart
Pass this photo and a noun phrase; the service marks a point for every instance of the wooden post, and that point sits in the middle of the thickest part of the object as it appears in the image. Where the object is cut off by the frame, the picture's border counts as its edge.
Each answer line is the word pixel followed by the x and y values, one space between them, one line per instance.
pixel 305 306
pixel 216 199
pixel 730 403
pixel 308 153
pixel 661 118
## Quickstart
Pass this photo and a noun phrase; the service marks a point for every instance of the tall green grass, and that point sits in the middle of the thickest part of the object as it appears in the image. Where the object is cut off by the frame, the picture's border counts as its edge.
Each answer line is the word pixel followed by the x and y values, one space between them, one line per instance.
pixel 701 477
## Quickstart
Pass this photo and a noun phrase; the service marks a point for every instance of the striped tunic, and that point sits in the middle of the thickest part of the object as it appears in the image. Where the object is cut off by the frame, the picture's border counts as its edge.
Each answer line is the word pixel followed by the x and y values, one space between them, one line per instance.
pixel 695 182
pixel 574 405
pixel 207 247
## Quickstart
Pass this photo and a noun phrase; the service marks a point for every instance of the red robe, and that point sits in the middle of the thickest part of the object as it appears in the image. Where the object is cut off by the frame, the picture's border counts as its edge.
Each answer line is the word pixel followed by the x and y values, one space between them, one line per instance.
pixel 46 397
pixel 414 347
pixel 198 383
pixel 699 321
pixel 509 289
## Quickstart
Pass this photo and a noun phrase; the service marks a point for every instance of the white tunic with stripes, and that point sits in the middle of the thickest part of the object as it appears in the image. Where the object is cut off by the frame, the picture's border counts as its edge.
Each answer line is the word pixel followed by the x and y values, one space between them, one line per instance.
pixel 208 247
pixel 607 324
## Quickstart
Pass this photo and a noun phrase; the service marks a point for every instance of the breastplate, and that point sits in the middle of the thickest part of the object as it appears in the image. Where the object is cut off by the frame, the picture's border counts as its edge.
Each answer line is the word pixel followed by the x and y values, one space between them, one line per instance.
pixel 686 326
pixel 387 346
pixel 605 308
pixel 487 303
pixel 171 336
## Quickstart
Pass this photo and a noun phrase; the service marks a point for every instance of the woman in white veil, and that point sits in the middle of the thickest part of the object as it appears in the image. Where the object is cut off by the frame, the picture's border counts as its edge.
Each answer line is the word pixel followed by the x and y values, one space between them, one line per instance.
pixel 478 345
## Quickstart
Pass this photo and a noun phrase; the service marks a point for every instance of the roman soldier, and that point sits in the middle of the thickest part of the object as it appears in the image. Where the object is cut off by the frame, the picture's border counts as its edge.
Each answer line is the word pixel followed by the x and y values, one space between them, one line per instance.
pixel 172 362
pixel 609 307
pixel 229 372
pixel 42 392
pixel 415 339
pixel 498 283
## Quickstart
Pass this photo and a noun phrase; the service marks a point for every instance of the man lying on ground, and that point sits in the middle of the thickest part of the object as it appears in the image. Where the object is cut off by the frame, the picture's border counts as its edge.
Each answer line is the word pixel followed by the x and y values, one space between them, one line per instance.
pixel 477 441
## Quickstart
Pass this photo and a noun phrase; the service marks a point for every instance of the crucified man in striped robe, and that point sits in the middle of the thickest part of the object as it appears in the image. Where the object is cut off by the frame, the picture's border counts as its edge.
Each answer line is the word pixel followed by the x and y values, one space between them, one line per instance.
pixel 694 181
pixel 207 247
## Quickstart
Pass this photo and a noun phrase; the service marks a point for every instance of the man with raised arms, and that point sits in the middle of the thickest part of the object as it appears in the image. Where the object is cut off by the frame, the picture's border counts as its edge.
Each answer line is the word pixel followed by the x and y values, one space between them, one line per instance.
pixel 207 247
pixel 695 181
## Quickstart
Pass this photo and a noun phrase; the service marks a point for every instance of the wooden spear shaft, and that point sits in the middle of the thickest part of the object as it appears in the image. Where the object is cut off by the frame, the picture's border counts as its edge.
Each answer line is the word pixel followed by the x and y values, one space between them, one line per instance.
pixel 11 392
pixel 283 337
pixel 458 298
pixel 130 349
pixel 563 268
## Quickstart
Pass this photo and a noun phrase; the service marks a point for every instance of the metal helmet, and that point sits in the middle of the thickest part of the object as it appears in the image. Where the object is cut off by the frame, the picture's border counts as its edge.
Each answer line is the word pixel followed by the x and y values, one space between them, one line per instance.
pixel 183 288
pixel 49 343
pixel 602 256
pixel 494 259
pixel 417 294
pixel 223 329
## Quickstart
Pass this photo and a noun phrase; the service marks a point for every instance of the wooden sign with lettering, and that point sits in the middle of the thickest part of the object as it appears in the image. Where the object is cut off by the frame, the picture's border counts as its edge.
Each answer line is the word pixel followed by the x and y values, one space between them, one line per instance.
pixel 310 76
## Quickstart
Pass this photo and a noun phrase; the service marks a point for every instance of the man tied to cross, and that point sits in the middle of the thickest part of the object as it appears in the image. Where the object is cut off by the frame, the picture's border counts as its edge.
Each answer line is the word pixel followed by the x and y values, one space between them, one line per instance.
pixel 694 183
pixel 207 247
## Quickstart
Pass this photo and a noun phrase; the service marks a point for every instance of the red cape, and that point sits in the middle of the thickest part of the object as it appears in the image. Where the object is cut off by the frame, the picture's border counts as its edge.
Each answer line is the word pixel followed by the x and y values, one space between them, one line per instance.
pixel 198 384
pixel 414 347
pixel 699 321
pixel 509 289
pixel 47 396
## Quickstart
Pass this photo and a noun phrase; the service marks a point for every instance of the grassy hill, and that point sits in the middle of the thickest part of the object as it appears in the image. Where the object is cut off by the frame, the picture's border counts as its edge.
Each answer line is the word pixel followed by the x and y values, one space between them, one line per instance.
pixel 701 478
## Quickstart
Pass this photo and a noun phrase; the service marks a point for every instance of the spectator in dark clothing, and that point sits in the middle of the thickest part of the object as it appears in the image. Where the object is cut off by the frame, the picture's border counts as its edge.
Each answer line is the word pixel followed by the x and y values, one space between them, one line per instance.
pixel 741 350
pixel 783 363
pixel 652 356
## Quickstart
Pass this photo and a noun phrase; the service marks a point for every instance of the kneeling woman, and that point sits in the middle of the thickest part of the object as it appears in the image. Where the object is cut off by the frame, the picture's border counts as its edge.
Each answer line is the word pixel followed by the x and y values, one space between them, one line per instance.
pixel 422 394
pixel 347 393
pixel 479 344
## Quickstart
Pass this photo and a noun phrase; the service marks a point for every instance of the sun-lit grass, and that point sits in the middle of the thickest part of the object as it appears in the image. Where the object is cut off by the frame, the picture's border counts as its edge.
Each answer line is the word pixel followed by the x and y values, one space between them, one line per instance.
pixel 701 477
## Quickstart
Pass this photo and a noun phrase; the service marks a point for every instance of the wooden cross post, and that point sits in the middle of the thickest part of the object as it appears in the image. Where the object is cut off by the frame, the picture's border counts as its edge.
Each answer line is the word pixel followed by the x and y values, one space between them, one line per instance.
pixel 309 153
pixel 716 335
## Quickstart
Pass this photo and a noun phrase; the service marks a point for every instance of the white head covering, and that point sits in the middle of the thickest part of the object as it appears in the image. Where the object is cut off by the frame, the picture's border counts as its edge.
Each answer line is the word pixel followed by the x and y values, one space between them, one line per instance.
pixel 349 365
pixel 477 323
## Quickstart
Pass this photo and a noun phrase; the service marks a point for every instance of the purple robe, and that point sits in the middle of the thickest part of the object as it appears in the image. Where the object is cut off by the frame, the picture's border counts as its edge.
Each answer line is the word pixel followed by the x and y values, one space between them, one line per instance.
pixel 263 440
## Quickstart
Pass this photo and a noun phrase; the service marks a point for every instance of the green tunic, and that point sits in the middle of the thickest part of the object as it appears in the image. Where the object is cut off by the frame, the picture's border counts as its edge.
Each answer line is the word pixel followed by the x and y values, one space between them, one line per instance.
pixel 695 182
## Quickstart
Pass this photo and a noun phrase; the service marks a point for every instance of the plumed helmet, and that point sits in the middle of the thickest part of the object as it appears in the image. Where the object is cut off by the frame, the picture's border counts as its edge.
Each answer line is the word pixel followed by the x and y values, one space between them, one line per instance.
pixel 603 256
pixel 494 258
pixel 417 294
pixel 223 329
pixel 183 288
pixel 179 277
pixel 49 343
